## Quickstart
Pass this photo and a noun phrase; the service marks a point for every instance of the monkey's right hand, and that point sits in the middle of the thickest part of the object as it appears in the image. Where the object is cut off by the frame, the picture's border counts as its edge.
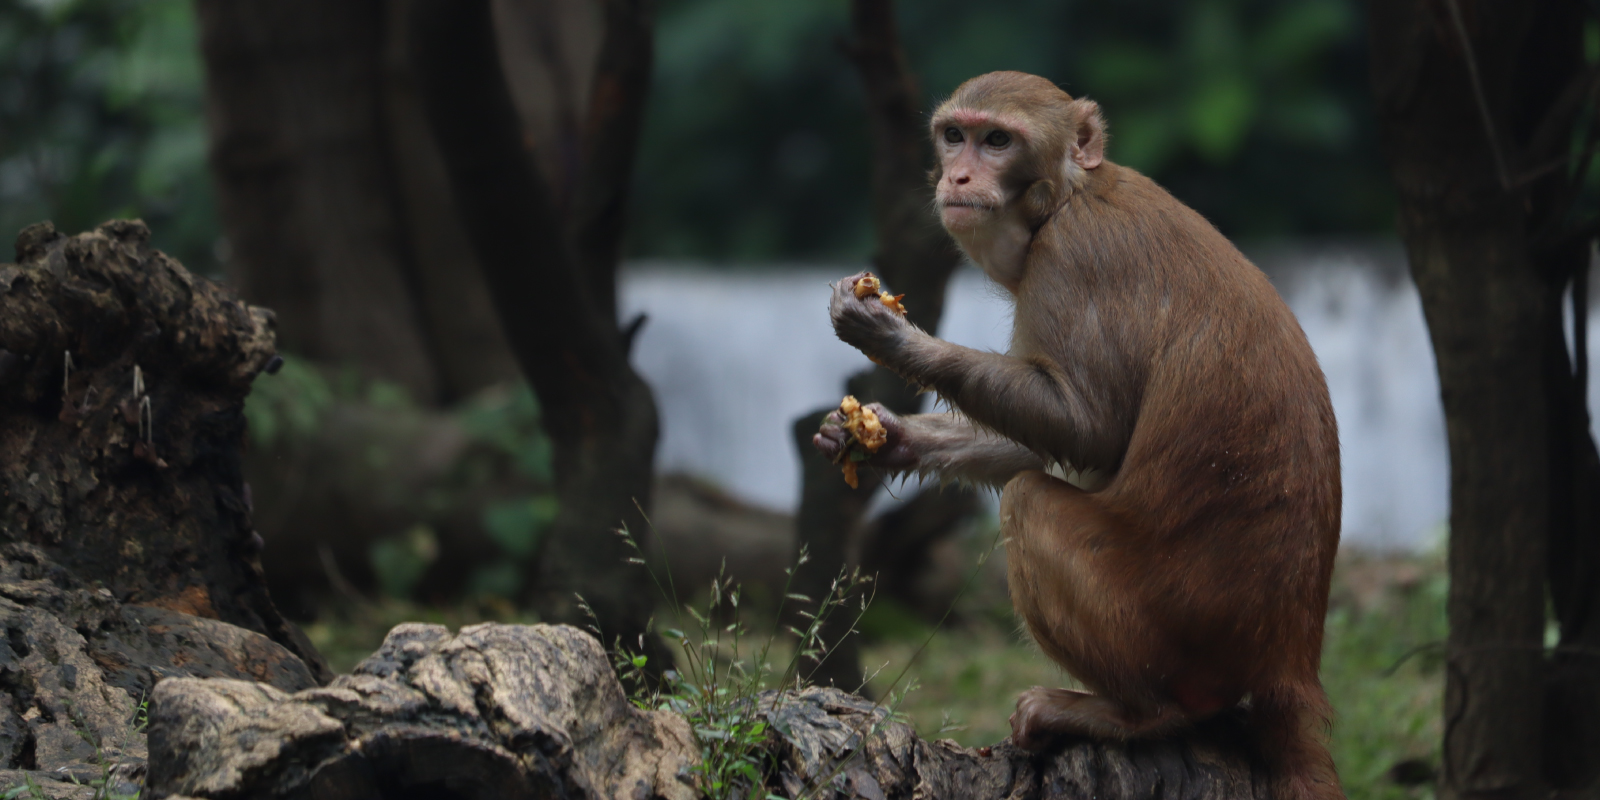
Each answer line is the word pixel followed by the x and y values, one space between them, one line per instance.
pixel 866 322
pixel 896 454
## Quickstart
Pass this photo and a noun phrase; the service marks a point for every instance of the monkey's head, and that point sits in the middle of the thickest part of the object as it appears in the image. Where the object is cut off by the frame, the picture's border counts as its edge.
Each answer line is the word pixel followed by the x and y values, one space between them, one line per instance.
pixel 1011 142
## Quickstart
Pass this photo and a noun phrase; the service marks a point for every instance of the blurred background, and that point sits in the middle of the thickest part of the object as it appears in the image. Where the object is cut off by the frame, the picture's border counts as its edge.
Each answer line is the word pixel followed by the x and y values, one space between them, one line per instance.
pixel 403 468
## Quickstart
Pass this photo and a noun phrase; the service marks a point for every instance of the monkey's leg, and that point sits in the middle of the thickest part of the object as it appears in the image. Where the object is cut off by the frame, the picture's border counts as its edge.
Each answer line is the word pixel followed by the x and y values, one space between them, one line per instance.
pixel 1057 540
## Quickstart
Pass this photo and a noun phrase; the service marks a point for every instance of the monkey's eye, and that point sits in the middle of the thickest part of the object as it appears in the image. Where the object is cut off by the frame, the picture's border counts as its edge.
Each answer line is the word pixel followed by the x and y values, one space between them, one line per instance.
pixel 998 139
pixel 952 135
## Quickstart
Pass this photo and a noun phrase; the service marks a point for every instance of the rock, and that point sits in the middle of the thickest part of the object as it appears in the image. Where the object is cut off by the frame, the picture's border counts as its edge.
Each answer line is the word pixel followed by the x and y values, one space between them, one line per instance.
pixel 76 668
pixel 494 711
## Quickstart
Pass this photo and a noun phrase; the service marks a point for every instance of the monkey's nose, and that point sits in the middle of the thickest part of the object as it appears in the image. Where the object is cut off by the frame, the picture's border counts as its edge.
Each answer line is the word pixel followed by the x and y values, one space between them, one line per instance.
pixel 962 180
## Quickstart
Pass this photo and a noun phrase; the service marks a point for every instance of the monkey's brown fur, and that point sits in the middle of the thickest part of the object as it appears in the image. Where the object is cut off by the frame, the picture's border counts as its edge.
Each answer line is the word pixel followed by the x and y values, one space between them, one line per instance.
pixel 1148 349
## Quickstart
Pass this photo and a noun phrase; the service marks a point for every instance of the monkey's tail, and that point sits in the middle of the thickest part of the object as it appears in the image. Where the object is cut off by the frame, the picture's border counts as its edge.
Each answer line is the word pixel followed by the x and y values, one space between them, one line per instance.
pixel 1290 724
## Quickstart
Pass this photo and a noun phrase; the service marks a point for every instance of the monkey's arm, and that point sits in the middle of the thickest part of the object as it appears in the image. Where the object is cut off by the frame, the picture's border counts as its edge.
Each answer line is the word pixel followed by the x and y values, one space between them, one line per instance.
pixel 1030 402
pixel 947 445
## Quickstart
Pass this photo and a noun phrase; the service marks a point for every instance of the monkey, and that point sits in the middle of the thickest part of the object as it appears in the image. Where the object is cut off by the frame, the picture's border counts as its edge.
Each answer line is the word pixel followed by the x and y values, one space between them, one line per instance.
pixel 1160 426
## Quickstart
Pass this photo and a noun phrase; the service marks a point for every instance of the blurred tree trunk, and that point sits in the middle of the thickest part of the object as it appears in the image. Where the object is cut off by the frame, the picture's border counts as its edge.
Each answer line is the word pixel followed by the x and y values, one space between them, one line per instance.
pixel 1479 104
pixel 541 265
pixel 914 257
pixel 334 199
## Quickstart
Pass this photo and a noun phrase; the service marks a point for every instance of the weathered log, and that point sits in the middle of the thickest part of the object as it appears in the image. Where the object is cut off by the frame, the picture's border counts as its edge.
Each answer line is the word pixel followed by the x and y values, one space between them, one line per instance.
pixel 535 711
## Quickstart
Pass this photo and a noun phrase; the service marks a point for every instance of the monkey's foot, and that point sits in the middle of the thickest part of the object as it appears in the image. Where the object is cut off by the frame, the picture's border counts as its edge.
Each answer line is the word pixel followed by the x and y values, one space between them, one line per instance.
pixel 1044 715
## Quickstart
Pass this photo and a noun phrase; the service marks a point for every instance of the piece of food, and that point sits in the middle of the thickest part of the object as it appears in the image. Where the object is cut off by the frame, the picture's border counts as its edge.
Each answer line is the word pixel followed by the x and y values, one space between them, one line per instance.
pixel 870 284
pixel 863 424
pixel 867 285
pixel 866 430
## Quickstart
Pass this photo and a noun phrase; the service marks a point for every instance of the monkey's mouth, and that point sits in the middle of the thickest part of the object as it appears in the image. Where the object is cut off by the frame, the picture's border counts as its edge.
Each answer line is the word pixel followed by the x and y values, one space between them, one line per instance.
pixel 976 205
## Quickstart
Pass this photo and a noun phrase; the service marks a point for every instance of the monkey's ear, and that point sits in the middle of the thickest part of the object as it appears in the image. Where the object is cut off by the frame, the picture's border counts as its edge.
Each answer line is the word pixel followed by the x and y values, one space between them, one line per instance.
pixel 1088 147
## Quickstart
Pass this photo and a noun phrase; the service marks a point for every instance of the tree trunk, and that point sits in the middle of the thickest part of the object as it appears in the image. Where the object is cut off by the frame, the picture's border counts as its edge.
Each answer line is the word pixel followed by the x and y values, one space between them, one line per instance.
pixel 915 257
pixel 333 197
pixel 1470 103
pixel 603 418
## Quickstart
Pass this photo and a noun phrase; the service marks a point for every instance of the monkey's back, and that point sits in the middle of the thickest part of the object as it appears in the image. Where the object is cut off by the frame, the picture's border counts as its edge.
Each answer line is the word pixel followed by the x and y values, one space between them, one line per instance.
pixel 1229 478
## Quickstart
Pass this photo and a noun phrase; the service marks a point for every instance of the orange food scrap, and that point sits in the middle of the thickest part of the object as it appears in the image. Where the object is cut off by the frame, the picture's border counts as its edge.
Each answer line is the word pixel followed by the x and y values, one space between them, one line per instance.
pixel 865 429
pixel 867 285
pixel 863 424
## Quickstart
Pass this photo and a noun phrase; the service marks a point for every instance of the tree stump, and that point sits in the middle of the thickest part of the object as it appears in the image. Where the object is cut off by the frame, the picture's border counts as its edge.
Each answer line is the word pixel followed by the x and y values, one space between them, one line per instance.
pixel 126 550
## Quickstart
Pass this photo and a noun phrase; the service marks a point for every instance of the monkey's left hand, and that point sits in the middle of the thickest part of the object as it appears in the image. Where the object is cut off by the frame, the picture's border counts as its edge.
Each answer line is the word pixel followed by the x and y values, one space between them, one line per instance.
pixel 866 323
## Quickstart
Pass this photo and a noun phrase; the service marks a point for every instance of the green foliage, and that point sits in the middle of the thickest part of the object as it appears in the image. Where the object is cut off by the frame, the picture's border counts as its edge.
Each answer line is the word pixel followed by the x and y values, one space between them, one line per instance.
pixel 756 145
pixel 510 423
pixel 400 561
pixel 509 420
pixel 1383 668
pixel 517 525
pixel 1254 111
pixel 101 116
pixel 725 680
pixel 288 404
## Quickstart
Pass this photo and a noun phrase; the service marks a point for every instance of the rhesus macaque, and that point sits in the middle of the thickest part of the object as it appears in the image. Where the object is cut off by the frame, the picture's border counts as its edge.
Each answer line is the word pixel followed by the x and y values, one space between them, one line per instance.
pixel 1160 426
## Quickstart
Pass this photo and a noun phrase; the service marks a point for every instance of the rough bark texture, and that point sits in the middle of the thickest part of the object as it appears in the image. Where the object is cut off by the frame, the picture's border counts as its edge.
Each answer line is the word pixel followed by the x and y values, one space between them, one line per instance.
pixel 568 344
pixel 535 711
pixel 333 198
pixel 915 257
pixel 132 481
pixel 1477 103
pixel 126 552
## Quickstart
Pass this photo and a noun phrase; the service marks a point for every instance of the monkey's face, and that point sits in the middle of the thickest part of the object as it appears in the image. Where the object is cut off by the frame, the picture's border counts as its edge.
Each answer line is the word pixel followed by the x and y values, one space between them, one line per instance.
pixel 977 151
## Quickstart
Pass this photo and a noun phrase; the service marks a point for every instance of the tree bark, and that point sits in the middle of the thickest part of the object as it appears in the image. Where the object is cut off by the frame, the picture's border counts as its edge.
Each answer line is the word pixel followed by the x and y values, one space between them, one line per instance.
pixel 604 424
pixel 1471 109
pixel 335 204
pixel 915 257
pixel 514 711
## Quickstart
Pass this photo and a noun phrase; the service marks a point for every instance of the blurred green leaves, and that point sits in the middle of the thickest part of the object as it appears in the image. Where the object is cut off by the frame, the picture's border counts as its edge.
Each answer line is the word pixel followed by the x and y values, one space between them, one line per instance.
pixel 1253 111
pixel 400 561
pixel 756 145
pixel 101 116
pixel 517 525
pixel 288 404
pixel 1236 69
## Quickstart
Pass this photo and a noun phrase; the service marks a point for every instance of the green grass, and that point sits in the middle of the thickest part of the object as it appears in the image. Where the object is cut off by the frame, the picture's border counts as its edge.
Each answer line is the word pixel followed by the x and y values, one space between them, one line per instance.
pixel 1382 675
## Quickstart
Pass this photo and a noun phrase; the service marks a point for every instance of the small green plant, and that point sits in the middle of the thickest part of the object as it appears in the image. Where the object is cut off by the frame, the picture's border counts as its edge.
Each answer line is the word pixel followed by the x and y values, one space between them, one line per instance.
pixel 27 789
pixel 723 688
pixel 105 786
